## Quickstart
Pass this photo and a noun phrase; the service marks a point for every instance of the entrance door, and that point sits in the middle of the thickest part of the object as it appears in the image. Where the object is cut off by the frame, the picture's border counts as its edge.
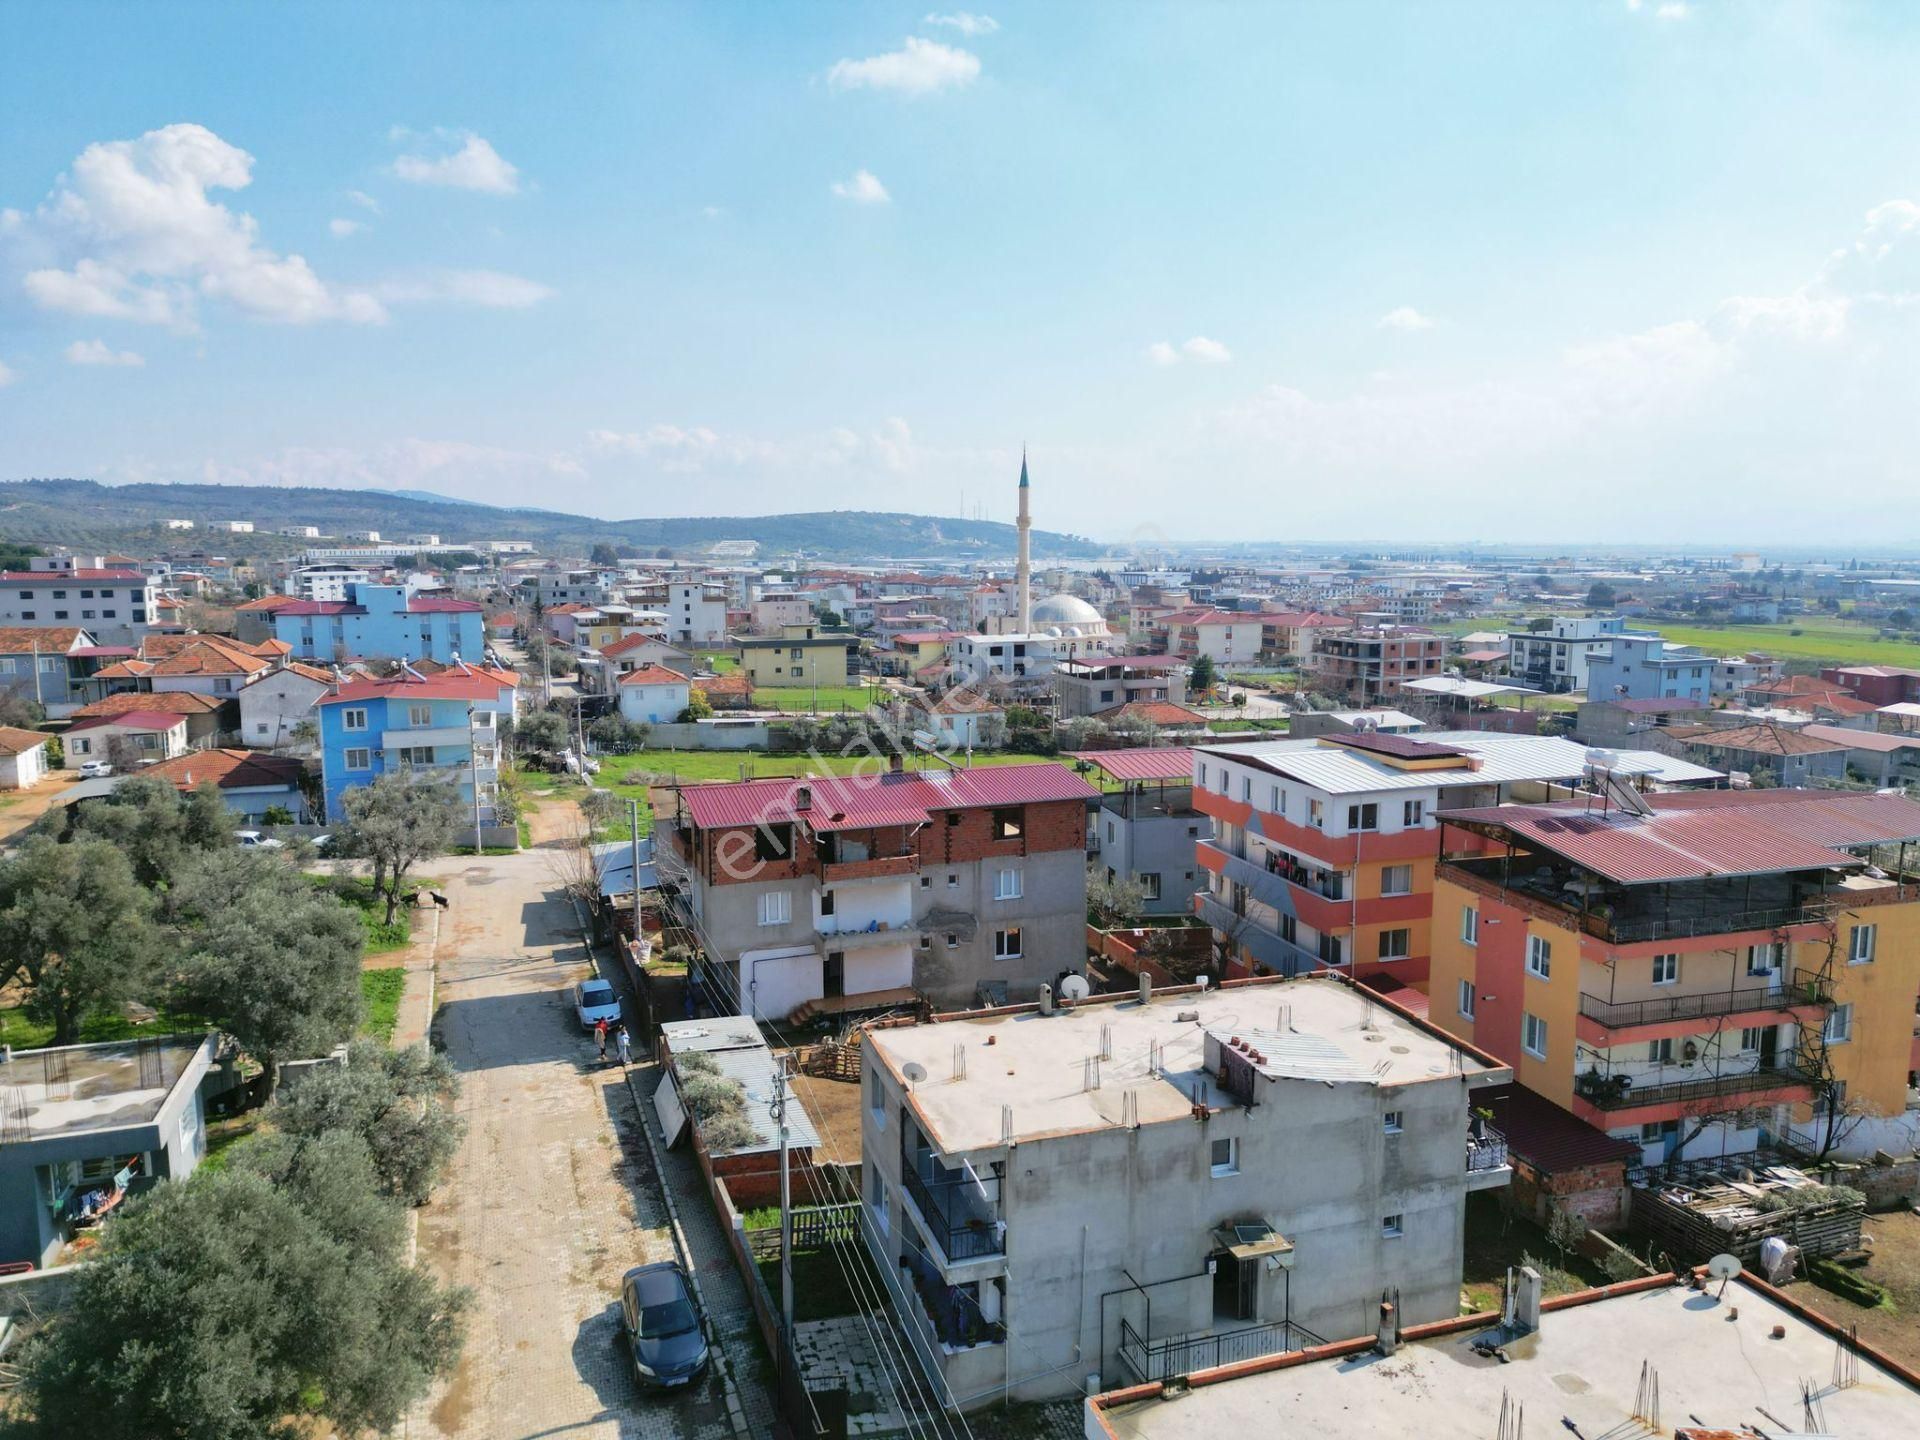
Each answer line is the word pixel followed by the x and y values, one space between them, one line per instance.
pixel 833 976
pixel 1233 1288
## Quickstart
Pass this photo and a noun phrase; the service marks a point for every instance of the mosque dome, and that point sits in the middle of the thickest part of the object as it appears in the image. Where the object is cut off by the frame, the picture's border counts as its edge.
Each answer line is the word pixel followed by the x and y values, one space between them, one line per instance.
pixel 1066 610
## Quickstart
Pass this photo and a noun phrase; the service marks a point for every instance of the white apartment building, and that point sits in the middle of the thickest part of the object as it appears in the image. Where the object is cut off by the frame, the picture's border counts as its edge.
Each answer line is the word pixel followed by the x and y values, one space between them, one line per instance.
pixel 1135 1187
pixel 1556 659
pixel 1019 657
pixel 696 613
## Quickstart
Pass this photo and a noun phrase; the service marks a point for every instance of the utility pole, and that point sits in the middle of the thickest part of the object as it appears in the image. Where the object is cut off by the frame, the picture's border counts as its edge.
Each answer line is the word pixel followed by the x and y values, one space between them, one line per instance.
pixel 633 852
pixel 786 1205
pixel 473 776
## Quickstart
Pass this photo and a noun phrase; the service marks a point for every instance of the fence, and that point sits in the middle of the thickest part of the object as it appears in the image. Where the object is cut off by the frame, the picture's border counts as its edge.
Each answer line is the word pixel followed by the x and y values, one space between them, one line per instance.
pixel 814 1227
pixel 1183 1354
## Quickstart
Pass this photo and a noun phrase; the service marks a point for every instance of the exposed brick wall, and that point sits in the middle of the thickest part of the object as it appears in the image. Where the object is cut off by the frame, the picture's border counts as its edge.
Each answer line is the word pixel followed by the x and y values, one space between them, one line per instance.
pixel 960 837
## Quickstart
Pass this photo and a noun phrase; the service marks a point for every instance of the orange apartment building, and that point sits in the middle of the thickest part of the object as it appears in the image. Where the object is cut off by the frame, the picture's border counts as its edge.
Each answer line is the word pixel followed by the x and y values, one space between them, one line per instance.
pixel 1369 663
pixel 1696 973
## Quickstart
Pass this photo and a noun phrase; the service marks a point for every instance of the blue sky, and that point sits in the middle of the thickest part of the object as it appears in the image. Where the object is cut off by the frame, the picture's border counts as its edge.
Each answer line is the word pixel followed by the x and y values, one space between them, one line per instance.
pixel 1584 271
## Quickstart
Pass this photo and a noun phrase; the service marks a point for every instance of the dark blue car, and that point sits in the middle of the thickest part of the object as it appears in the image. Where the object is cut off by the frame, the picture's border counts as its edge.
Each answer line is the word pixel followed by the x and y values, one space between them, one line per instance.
pixel 665 1339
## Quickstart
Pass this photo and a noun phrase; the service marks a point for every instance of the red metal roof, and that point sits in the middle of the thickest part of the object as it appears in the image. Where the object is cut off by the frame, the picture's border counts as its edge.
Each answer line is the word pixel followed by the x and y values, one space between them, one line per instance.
pixel 1146 762
pixel 321 607
pixel 860 802
pixel 442 604
pixel 1696 834
pixel 1402 747
pixel 1547 1137
pixel 449 685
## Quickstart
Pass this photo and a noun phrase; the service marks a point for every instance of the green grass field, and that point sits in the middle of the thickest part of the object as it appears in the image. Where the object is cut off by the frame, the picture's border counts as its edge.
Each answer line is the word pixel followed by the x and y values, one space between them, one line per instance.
pixel 799 700
pixel 622 771
pixel 1809 637
pixel 382 990
pixel 22 1032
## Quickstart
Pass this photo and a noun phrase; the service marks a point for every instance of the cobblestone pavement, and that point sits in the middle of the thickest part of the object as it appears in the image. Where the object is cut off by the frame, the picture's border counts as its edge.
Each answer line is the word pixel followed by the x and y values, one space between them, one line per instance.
pixel 552 1196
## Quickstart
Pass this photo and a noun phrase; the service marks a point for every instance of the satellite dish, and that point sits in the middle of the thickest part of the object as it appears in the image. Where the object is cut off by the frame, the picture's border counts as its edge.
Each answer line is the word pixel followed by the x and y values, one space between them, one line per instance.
pixel 1724 1268
pixel 1075 987
pixel 914 1071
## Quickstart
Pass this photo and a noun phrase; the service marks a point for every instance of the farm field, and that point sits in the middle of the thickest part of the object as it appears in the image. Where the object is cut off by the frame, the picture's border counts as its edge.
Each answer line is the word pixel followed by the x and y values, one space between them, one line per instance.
pixel 826 699
pixel 1831 639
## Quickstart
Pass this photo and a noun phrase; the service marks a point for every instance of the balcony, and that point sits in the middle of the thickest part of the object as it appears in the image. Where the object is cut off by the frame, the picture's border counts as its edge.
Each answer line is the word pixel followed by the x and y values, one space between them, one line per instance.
pixel 959 1208
pixel 872 936
pixel 1172 1355
pixel 1611 1093
pixel 1291 890
pixel 882 867
pixel 1282 957
pixel 436 735
pixel 1809 988
pixel 1488 1166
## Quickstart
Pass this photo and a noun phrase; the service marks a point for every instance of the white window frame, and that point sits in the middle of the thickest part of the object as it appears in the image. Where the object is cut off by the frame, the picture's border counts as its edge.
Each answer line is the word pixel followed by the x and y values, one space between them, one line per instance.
pixel 1861 942
pixel 1660 1052
pixel 353 718
pixel 1465 999
pixel 1772 950
pixel 1839 1026
pixel 1539 957
pixel 365 762
pixel 420 717
pixel 1388 873
pixel 1008 943
pixel 1666 969
pixel 1007 884
pixel 1231 1165
pixel 1470 925
pixel 776 907
pixel 1392 1122
pixel 1758 1032
pixel 1413 814
pixel 1533 1027
pixel 1392 1227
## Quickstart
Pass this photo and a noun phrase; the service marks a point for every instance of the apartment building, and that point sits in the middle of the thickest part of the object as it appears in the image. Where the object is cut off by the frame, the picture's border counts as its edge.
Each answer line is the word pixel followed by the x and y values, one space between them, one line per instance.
pixel 696 613
pixel 1367 663
pixel 1100 682
pixel 800 657
pixel 852 892
pixel 1147 830
pixel 1014 656
pixel 440 726
pixel 1227 637
pixel 115 605
pixel 1646 667
pixel 1286 636
pixel 1556 659
pixel 387 621
pixel 1137 1186
pixel 1691 972
pixel 1324 849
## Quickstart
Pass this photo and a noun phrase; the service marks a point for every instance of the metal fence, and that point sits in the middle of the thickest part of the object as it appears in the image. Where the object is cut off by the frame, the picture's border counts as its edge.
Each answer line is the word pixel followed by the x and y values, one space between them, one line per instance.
pixel 1809 988
pixel 814 1226
pixel 1183 1354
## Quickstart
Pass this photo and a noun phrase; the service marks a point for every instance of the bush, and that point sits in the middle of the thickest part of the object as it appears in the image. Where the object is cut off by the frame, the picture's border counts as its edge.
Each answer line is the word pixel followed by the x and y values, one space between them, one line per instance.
pixel 1849 1285
pixel 1808 1197
pixel 712 1096
pixel 728 1132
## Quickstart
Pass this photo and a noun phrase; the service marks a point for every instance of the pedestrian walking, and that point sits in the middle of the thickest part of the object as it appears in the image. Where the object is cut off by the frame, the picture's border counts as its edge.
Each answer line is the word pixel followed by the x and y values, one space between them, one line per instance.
pixel 623 1042
pixel 600 1035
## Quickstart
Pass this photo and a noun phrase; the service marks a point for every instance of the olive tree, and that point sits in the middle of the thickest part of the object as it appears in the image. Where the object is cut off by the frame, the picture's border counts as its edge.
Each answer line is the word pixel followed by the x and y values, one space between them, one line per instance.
pixel 76 930
pixel 396 822
pixel 396 1102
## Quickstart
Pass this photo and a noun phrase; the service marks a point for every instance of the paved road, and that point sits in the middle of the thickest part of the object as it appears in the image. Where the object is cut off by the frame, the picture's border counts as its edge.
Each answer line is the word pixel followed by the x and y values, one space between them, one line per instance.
pixel 552 1196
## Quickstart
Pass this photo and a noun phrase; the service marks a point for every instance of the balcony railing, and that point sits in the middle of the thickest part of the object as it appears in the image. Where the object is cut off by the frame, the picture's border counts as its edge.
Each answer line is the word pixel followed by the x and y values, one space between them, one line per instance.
pixel 1174 1355
pixel 960 1208
pixel 1280 956
pixel 1809 988
pixel 1486 1150
pixel 1618 1092
pixel 880 867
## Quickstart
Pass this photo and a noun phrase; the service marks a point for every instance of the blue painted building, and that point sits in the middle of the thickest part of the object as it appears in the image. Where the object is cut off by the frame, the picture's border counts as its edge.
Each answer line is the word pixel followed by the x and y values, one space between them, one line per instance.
pixel 444 725
pixel 384 622
pixel 1646 667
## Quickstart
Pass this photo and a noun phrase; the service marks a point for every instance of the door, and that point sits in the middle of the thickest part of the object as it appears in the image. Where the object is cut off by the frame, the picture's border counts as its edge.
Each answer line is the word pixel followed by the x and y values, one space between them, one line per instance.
pixel 1234 1288
pixel 833 976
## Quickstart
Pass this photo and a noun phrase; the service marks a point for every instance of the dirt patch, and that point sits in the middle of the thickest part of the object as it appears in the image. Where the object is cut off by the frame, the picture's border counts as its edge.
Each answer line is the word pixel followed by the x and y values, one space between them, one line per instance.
pixel 1896 1265
pixel 834 1106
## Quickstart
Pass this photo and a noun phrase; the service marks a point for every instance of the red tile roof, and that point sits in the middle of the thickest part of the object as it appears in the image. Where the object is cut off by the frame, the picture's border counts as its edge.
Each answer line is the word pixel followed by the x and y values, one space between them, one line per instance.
pixel 1154 712
pixel 321 607
pixel 855 802
pixel 170 702
pixel 58 577
pixel 47 639
pixel 1761 739
pixel 268 603
pixel 470 684
pixel 131 720
pixel 15 741
pixel 442 605
pixel 228 769
pixel 632 641
pixel 1145 762
pixel 653 675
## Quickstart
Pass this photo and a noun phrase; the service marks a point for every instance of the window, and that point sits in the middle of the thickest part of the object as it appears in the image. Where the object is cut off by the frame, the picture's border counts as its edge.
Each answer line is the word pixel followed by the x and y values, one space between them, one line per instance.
pixel 416 754
pixel 1199 775
pixel 355 719
pixel 877 1098
pixel 877 1199
pixel 1860 945
pixel 1464 1002
pixel 1006 943
pixel 1469 925
pixel 1763 959
pixel 1363 817
pixel 1009 824
pixel 1539 957
pixel 1666 969
pixel 1290 929
pixel 1317 814
pixel 1396 880
pixel 26 614
pixel 1839 1025
pixel 1660 1052
pixel 359 759
pixel 1006 884
pixel 773 842
pixel 1750 1039
pixel 1392 1227
pixel 86 614
pixel 1149 884
pixel 419 716
pixel 1390 1122
pixel 776 907
pixel 1224 1157
pixel 1273 800
pixel 1331 952
pixel 260 728
pixel 926 882
pixel 953 880
pixel 1396 944
pixel 1413 813
pixel 1533 1036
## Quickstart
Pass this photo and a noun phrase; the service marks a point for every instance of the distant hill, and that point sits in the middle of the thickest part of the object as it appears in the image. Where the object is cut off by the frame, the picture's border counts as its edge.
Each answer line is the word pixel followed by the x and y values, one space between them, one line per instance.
pixel 86 515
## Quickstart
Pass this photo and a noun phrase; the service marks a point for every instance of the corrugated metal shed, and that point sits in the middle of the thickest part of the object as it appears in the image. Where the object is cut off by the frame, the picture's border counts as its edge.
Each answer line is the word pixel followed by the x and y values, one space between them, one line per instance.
pixel 1167 762
pixel 736 1047
pixel 858 802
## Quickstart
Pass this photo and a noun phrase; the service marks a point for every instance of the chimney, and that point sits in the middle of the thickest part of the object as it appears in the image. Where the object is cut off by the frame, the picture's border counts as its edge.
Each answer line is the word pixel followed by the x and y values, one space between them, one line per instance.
pixel 896 764
pixel 1386 1337
pixel 1526 1314
pixel 1146 987
pixel 803 797
pixel 1046 999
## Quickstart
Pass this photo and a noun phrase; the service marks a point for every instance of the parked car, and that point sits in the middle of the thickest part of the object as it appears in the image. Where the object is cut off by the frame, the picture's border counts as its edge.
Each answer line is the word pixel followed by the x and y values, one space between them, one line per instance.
pixel 96 769
pixel 595 1000
pixel 665 1337
pixel 254 840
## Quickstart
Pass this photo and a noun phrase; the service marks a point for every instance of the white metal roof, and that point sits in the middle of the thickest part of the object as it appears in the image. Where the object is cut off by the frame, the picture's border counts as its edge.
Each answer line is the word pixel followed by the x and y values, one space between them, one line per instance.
pixel 1471 689
pixel 1504 759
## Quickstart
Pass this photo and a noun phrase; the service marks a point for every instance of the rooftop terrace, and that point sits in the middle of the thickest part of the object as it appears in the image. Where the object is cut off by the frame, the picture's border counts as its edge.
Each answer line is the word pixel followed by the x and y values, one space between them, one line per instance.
pixel 75 1088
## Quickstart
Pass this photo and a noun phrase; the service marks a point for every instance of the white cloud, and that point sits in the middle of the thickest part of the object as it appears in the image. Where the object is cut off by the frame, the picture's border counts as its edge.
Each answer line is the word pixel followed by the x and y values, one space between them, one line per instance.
pixel 131 233
pixel 7 375
pixel 863 189
pixel 98 352
pixel 685 450
pixel 341 229
pixel 1199 349
pixel 713 212
pixel 1405 317
pixel 458 159
pixel 918 67
pixel 489 289
pixel 1673 10
pixel 364 201
pixel 965 23
pixel 1161 353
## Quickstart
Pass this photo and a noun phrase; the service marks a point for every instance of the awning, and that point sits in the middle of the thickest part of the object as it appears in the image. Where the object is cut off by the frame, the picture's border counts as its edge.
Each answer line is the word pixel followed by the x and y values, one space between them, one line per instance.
pixel 1254 1240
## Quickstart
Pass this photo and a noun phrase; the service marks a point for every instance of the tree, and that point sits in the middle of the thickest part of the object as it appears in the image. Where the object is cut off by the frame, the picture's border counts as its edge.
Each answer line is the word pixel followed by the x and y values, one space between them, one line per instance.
pixel 1900 619
pixel 75 930
pixel 272 961
pixel 1200 675
pixel 1113 900
pixel 602 808
pixel 1600 596
pixel 1540 622
pixel 396 1102
pixel 604 556
pixel 20 710
pixel 158 828
pixel 1565 1231
pixel 698 706
pixel 396 822
pixel 613 731
pixel 542 733
pixel 246 1302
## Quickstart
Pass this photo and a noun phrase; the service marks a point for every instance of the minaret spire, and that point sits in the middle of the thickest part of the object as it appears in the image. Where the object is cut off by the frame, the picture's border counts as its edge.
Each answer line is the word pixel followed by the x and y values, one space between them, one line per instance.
pixel 1023 573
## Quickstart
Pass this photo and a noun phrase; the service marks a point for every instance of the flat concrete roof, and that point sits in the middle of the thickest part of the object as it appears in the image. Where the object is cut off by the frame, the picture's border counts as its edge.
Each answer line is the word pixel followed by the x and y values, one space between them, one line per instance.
pixel 1579 1374
pixel 1038 1064
pixel 76 1088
